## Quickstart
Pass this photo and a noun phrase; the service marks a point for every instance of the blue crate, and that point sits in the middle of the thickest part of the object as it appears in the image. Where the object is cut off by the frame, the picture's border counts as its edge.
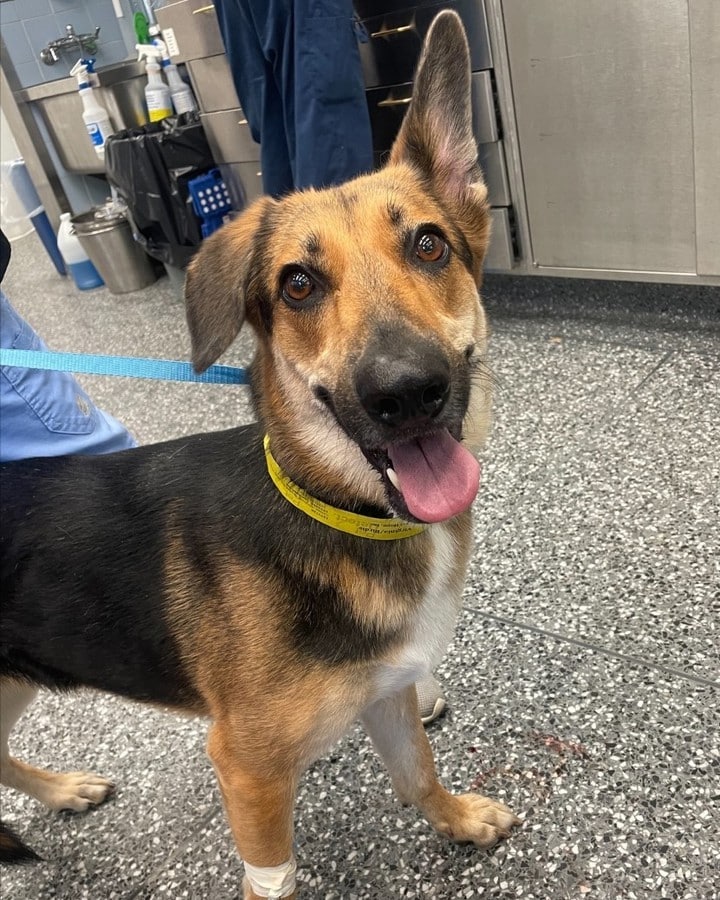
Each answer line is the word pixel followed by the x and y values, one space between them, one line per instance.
pixel 211 200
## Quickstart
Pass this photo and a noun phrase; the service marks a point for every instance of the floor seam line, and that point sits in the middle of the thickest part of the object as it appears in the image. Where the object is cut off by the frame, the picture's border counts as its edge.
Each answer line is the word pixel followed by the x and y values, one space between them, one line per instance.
pixel 596 648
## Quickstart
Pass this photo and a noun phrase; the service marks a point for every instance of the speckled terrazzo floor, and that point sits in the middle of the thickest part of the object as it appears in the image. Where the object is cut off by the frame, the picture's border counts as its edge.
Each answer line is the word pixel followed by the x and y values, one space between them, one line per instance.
pixel 583 679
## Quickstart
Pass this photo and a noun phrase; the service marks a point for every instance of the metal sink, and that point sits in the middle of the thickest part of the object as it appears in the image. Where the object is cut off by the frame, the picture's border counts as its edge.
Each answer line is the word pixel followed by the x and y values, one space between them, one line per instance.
pixel 121 92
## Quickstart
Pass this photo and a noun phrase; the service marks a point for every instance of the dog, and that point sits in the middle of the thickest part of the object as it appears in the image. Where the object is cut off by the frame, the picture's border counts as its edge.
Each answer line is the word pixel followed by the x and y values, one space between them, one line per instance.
pixel 288 577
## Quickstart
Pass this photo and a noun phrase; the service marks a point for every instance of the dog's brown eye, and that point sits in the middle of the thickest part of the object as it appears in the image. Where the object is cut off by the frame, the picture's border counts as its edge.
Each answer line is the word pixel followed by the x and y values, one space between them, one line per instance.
pixel 430 247
pixel 297 286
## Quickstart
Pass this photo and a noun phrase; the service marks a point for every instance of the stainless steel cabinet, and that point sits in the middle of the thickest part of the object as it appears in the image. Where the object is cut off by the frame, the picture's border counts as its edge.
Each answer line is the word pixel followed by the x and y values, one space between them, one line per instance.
pixel 395 32
pixel 395 38
pixel 705 72
pixel 191 31
pixel 605 108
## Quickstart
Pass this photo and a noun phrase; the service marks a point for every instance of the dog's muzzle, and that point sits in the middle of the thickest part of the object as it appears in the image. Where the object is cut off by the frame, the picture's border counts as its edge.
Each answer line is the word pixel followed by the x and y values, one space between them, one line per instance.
pixel 414 404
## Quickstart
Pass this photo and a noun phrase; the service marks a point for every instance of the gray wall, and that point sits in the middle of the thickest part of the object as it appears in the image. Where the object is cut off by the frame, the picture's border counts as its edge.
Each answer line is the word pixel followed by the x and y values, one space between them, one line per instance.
pixel 28 25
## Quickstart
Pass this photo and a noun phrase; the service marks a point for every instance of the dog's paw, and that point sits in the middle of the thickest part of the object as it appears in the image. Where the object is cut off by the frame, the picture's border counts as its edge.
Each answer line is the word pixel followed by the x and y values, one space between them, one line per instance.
pixel 471 818
pixel 76 791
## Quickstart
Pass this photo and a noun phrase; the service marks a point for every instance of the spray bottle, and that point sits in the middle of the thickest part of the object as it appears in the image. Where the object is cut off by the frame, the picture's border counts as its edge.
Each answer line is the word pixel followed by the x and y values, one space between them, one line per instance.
pixel 182 96
pixel 157 93
pixel 95 116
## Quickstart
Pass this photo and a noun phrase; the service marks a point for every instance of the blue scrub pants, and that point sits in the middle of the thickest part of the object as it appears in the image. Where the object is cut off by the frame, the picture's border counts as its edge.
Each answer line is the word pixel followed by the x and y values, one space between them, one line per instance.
pixel 296 69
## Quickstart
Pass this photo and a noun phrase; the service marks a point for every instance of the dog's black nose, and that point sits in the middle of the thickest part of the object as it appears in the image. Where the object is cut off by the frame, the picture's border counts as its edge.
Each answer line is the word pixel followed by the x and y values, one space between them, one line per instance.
pixel 409 384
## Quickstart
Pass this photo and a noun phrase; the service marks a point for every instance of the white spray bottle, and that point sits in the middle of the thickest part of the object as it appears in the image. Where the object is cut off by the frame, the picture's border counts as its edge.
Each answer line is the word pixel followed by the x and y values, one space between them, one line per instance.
pixel 157 93
pixel 182 96
pixel 95 116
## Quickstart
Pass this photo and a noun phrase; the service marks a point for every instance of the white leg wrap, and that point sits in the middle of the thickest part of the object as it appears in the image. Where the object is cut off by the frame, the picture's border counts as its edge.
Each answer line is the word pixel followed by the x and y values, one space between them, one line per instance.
pixel 273 882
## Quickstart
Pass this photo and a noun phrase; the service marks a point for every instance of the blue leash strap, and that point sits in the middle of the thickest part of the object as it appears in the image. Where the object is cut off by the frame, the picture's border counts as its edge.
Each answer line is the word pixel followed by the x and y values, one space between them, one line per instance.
pixel 129 366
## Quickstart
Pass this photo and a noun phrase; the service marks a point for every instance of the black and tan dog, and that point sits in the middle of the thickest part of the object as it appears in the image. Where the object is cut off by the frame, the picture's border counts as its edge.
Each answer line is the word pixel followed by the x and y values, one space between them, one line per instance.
pixel 286 587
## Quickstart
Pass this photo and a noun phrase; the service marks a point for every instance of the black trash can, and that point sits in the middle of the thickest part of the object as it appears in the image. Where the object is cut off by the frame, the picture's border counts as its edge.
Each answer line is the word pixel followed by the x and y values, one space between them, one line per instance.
pixel 150 167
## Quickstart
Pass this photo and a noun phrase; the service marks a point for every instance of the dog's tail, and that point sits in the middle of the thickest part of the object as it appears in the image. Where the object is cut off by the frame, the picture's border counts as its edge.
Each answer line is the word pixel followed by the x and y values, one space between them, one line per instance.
pixel 12 848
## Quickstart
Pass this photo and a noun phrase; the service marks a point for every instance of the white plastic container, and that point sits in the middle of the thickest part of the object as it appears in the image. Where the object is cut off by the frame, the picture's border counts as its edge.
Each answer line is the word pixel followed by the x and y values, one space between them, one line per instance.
pixel 95 116
pixel 78 263
pixel 157 93
pixel 183 99
pixel 97 121
pixel 180 93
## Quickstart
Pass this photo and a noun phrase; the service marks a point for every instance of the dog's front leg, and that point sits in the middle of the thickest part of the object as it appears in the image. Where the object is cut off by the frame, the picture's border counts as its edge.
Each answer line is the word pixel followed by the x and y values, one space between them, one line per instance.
pixel 399 737
pixel 259 801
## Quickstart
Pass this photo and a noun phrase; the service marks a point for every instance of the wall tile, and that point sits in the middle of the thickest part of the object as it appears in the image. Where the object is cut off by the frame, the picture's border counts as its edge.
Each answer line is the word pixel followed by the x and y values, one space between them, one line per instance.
pixel 61 6
pixel 39 33
pixel 30 9
pixel 9 11
pixel 102 14
pixel 17 44
pixel 113 52
pixel 79 17
pixel 28 73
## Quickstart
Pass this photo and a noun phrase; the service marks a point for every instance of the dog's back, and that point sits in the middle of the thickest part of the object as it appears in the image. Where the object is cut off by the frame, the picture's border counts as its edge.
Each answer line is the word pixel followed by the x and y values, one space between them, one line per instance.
pixel 84 543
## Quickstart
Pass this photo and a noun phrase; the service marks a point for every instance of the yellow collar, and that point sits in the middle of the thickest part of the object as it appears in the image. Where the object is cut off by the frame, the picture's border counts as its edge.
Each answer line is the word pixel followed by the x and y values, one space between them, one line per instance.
pixel 340 519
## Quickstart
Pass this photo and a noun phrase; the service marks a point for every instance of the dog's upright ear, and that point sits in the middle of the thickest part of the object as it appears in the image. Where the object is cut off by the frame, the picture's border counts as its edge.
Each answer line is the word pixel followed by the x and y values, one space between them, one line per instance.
pixel 436 136
pixel 218 282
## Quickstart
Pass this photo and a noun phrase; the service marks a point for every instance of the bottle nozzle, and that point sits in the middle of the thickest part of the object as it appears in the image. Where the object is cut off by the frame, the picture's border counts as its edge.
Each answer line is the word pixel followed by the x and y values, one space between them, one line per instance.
pixel 148 51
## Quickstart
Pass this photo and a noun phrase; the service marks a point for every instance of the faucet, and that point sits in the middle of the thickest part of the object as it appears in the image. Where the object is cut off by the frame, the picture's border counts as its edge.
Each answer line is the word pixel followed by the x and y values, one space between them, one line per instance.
pixel 86 43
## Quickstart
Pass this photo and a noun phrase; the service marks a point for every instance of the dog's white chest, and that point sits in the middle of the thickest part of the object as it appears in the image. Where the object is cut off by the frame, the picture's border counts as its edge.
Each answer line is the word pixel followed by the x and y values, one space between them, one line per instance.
pixel 433 624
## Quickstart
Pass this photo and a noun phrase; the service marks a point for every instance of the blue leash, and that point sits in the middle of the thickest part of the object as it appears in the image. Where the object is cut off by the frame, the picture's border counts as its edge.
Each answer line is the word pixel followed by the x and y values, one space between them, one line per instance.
pixel 130 366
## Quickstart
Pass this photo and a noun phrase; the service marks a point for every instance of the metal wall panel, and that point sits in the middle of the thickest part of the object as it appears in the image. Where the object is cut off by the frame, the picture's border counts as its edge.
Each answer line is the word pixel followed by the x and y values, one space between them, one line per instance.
pixel 604 115
pixel 705 67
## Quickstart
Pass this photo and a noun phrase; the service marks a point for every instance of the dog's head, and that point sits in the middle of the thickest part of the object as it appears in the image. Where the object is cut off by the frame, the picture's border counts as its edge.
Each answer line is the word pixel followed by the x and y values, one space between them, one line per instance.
pixel 364 299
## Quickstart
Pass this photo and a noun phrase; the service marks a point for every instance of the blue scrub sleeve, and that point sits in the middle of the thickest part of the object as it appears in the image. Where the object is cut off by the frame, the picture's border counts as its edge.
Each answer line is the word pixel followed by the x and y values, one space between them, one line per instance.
pixel 47 413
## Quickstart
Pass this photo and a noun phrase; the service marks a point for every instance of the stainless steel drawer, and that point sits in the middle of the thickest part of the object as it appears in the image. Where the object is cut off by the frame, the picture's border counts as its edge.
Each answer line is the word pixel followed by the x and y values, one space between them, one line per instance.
pixel 190 29
pixel 500 255
pixel 395 38
pixel 229 136
pixel 387 106
pixel 213 84
pixel 243 181
pixel 492 161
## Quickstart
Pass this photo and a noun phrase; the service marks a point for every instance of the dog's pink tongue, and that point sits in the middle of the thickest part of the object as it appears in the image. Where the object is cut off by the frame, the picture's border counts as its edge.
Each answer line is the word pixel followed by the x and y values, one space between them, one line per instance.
pixel 438 477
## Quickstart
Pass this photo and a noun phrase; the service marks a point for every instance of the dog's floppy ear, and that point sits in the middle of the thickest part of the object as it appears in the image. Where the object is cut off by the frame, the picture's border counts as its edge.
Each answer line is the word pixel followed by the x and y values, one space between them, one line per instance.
pixel 217 283
pixel 437 135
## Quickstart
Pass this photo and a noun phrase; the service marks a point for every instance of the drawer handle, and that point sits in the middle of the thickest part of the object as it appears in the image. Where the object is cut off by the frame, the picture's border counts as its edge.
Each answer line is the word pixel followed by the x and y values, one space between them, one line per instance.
pixel 204 9
pixel 400 101
pixel 389 32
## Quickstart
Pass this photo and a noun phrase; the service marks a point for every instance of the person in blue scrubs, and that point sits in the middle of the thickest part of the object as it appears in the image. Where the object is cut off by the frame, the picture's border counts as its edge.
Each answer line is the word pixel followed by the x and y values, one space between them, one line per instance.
pixel 46 413
pixel 296 70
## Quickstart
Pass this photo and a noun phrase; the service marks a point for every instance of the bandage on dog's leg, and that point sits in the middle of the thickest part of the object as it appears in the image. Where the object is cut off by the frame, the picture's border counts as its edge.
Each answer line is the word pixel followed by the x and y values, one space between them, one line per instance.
pixel 274 882
pixel 258 789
